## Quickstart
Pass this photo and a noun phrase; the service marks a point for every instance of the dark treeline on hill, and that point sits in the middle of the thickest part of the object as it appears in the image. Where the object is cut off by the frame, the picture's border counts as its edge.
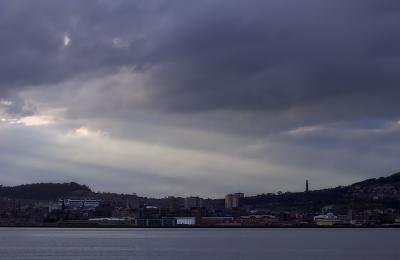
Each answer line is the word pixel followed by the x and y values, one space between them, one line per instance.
pixel 383 190
pixel 41 191
pixel 395 178
pixel 318 197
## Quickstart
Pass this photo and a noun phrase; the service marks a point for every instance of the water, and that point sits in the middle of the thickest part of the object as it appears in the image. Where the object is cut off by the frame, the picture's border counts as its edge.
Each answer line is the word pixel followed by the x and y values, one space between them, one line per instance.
pixel 282 244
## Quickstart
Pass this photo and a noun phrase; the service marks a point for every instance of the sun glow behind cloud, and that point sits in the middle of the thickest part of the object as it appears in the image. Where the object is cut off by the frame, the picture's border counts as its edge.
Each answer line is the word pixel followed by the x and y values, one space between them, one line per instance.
pixel 84 131
pixel 29 120
pixel 36 120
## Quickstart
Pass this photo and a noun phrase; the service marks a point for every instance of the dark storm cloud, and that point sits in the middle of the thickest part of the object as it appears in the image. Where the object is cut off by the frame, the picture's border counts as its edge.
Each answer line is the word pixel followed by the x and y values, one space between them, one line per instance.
pixel 340 57
pixel 32 48
pixel 280 55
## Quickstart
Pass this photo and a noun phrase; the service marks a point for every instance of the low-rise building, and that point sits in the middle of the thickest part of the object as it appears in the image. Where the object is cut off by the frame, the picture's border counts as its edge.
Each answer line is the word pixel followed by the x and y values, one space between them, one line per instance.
pixel 261 220
pixel 193 202
pixel 78 203
pixel 326 220
pixel 189 221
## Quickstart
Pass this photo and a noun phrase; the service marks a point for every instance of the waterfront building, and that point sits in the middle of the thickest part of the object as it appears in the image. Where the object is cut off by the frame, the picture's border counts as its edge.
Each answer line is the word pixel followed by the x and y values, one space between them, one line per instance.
pixel 185 221
pixel 258 220
pixel 193 202
pixel 233 200
pixel 326 220
pixel 217 221
pixel 78 203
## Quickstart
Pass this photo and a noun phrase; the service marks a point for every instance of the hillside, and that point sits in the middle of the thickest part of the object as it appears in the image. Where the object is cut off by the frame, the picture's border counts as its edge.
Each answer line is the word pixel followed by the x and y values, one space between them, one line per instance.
pixel 41 191
pixel 392 179
pixel 383 191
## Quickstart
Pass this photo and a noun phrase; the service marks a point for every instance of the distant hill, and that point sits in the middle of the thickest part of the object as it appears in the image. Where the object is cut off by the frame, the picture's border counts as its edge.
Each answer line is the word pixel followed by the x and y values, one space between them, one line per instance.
pixel 395 178
pixel 41 191
pixel 383 191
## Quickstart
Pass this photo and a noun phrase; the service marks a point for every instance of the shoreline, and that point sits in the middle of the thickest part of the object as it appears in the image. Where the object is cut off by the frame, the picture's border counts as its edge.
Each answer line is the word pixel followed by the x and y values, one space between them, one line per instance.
pixel 198 227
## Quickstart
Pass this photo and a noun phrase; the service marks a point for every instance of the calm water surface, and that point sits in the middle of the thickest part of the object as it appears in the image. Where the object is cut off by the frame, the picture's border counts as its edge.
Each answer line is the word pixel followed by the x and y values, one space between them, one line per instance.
pixel 78 244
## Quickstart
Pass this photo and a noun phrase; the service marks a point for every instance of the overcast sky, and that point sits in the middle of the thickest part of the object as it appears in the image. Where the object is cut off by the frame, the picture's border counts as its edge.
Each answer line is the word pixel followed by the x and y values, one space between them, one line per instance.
pixel 205 97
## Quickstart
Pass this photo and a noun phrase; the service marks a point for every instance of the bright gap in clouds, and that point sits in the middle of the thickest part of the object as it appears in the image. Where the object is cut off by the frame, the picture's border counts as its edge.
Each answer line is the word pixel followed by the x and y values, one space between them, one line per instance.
pixel 29 120
pixel 89 132
pixel 67 40
pixel 36 120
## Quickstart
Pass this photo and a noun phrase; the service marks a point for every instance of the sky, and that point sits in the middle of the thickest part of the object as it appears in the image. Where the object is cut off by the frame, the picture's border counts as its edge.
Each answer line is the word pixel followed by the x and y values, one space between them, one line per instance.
pixel 200 98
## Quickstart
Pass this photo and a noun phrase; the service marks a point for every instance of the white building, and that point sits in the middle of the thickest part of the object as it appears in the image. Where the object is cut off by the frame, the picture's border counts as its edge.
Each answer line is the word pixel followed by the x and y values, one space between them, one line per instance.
pixel 79 203
pixel 185 220
pixel 326 220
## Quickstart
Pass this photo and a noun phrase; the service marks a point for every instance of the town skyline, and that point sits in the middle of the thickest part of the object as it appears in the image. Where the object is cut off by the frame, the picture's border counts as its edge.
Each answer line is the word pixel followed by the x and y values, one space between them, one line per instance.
pixel 306 188
pixel 372 202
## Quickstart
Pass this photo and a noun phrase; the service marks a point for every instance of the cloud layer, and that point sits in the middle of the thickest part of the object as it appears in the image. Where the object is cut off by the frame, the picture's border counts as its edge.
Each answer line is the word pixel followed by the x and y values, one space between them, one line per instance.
pixel 207 97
